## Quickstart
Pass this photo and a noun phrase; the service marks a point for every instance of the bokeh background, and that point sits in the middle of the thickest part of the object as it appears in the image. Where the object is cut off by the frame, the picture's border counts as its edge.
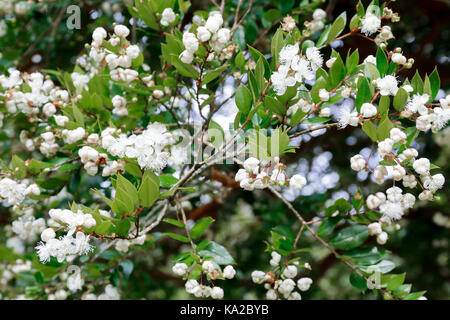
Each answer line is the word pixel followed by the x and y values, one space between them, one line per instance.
pixel 40 40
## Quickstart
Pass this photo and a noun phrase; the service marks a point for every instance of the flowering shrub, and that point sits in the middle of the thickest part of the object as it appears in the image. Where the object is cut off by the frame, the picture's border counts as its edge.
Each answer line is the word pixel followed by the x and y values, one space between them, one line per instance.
pixel 105 164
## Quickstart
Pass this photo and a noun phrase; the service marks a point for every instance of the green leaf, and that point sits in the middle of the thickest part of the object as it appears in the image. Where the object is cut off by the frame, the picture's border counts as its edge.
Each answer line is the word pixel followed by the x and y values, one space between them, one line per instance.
pixel 396 281
pixel 384 129
pixel 337 27
pixel 382 62
pixel 383 266
pixel 243 99
pixel 274 105
pixel 184 69
pixel 350 237
pixel 370 129
pixel 435 83
pixel 148 191
pixel 239 61
pixel 178 237
pixel 358 282
pixel 219 254
pixel 276 45
pixel 122 227
pixel 337 72
pixel 174 222
pixel 417 83
pixel 414 295
pixel 19 167
pixel 400 99
pixel 352 62
pixel 327 226
pixel 365 256
pixel 272 15
pixel 199 228
pixel 167 180
pixel 364 94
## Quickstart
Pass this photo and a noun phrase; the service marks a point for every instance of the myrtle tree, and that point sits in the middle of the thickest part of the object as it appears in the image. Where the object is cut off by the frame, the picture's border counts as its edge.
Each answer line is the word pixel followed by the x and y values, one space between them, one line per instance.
pixel 116 165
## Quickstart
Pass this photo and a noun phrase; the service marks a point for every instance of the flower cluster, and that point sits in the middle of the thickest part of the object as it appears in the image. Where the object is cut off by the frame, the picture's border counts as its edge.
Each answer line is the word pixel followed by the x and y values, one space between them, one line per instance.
pixel 257 175
pixel 280 283
pixel 210 32
pixel 212 272
pixel 66 247
pixel 15 192
pixel 295 68
pixel 118 54
pixel 154 148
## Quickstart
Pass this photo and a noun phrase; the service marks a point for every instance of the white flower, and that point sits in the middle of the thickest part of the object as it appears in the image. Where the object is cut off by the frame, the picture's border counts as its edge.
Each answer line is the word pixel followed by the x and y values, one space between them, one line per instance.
pixel 304 283
pixel 319 14
pixel 190 42
pixel 417 104
pixel 290 272
pixel 186 57
pixel 99 35
pixel 370 24
pixel 346 118
pixel 397 135
pixel 387 85
pixel 167 16
pixel 214 22
pixel 314 56
pixel 385 146
pixel 191 285
pixel 286 287
pixel 49 109
pixel 121 31
pixel 252 165
pixel 422 166
pixel 208 266
pixel 276 257
pixel 370 59
pixel 133 51
pixel 394 194
pixel 357 162
pixel 180 269
pixel 408 201
pixel 203 34
pixel 368 110
pixel 325 112
pixel 382 238
pixel 374 229
pixel 324 95
pixel 373 202
pixel 271 295
pixel 33 189
pixel 258 277
pixel 398 58
pixel 61 120
pixel 48 234
pixel 398 173
pixel 297 182
pixel 88 154
pixel 229 272
pixel 434 183
pixel 122 245
pixel 288 53
pixel 75 282
pixel 386 33
pixel 409 181
pixel 426 195
pixel 295 296
pixel 217 293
